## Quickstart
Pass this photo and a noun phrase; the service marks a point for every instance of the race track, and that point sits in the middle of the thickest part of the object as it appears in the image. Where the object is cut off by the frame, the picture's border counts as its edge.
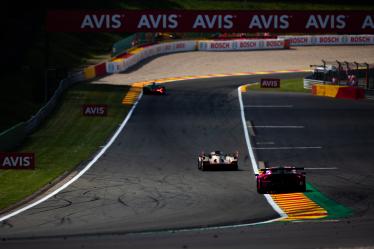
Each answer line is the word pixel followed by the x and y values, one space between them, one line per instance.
pixel 332 138
pixel 148 180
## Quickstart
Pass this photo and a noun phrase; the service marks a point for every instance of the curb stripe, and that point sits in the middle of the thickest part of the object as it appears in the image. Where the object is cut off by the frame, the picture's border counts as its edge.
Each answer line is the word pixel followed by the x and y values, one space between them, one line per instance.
pixel 297 206
pixel 132 95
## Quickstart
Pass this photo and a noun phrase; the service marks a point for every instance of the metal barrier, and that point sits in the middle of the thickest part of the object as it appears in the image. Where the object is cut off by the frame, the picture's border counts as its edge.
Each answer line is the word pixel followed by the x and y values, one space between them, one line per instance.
pixel 14 136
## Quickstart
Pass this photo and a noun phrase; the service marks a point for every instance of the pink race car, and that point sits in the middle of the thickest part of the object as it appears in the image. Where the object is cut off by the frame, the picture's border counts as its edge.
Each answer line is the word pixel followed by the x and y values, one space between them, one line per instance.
pixel 280 179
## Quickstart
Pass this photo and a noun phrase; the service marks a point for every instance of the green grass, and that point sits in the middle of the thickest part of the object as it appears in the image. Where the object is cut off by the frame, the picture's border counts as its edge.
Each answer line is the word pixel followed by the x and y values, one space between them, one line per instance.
pixel 289 85
pixel 65 140
pixel 334 209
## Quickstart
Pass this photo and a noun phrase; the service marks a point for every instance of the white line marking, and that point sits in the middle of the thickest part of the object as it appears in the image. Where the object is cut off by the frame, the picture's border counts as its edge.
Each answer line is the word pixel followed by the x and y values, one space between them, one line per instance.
pixel 251 130
pixel 268 106
pixel 246 135
pixel 265 143
pixel 253 160
pixel 330 168
pixel 211 228
pixel 278 126
pixel 370 97
pixel 88 166
pixel 288 148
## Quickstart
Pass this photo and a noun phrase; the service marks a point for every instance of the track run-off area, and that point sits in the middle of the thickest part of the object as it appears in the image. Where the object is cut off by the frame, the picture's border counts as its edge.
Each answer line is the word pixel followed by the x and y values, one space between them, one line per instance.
pixel 146 191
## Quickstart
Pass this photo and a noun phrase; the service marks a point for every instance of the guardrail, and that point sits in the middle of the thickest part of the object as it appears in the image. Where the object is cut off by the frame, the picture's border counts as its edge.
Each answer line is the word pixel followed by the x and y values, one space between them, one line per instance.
pixel 135 56
pixel 14 136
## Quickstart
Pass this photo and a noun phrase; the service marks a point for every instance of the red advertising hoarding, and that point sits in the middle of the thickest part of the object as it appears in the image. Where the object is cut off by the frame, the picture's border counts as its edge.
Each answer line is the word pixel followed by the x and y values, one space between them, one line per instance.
pixel 270 83
pixel 94 110
pixel 17 160
pixel 343 22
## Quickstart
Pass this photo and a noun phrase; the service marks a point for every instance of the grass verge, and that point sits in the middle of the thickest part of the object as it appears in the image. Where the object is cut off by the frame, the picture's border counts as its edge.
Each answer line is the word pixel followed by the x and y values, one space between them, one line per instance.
pixel 65 140
pixel 334 210
pixel 288 85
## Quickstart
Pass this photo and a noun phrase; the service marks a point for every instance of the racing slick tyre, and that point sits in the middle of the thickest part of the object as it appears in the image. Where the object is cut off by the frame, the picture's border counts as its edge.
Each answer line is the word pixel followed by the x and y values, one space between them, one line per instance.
pixel 203 167
pixel 236 167
pixel 199 164
pixel 303 188
pixel 260 190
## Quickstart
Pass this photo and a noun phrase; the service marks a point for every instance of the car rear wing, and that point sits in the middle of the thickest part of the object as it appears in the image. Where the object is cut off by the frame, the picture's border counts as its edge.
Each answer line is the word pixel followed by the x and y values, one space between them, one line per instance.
pixel 233 154
pixel 298 169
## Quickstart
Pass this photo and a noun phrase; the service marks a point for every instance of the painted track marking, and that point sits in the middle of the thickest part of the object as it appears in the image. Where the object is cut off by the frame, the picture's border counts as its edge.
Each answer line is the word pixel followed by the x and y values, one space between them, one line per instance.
pixel 132 95
pixel 299 207
pixel 328 168
pixel 265 143
pixel 288 148
pixel 278 126
pixel 250 127
pixel 268 106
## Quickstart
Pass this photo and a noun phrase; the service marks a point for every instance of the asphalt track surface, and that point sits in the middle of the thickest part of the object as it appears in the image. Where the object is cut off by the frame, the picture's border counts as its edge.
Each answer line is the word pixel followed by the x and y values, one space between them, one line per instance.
pixel 148 180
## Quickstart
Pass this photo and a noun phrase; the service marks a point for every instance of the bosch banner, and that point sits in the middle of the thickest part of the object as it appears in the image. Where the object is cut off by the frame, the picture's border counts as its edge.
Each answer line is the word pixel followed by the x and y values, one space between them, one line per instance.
pixel 15 160
pixel 347 22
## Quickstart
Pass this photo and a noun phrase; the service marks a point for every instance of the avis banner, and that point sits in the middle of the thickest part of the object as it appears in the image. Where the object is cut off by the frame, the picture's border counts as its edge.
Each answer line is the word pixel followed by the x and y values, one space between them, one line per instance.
pixel 17 160
pixel 94 110
pixel 270 83
pixel 310 22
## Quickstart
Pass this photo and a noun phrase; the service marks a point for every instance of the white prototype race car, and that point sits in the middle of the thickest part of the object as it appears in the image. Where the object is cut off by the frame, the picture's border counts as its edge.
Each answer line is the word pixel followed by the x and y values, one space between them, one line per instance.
pixel 218 160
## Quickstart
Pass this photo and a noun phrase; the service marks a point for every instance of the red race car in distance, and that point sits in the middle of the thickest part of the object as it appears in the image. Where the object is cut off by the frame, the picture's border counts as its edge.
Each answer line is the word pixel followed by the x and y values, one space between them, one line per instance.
pixel 155 89
pixel 280 180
